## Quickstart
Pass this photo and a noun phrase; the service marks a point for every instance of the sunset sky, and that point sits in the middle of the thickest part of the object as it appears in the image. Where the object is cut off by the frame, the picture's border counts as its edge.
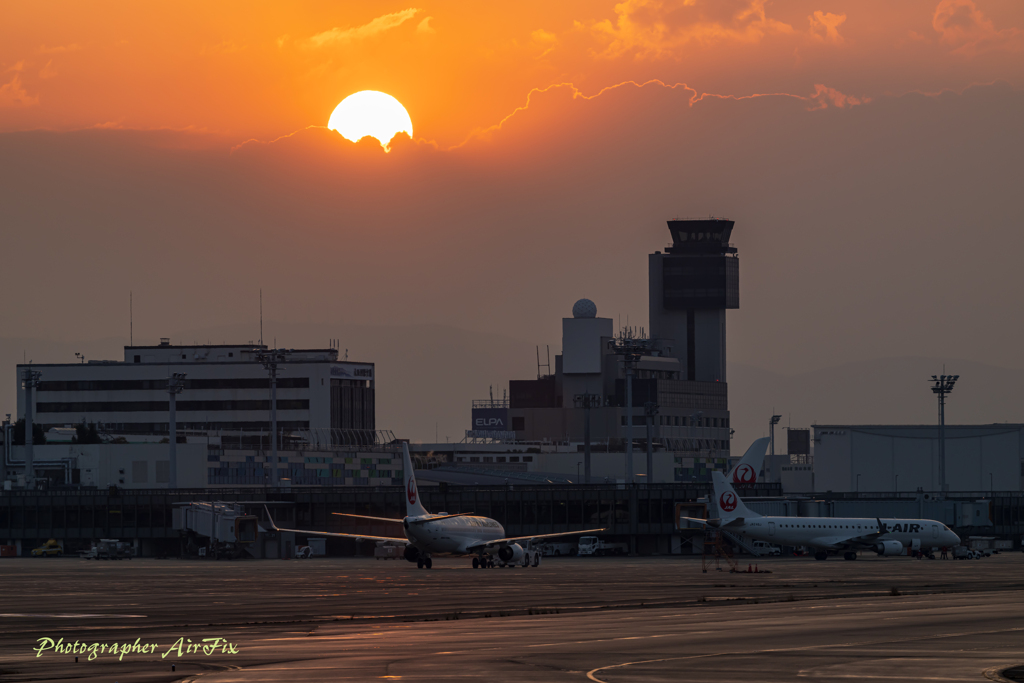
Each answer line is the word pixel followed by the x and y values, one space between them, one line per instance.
pixel 870 153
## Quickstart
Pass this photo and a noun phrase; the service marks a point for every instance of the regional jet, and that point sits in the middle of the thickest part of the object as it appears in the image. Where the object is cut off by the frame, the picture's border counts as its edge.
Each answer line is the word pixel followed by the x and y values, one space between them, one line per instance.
pixel 889 537
pixel 443 534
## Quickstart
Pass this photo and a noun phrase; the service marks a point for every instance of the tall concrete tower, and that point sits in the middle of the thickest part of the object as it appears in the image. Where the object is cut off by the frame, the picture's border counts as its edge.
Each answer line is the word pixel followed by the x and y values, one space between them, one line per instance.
pixel 691 286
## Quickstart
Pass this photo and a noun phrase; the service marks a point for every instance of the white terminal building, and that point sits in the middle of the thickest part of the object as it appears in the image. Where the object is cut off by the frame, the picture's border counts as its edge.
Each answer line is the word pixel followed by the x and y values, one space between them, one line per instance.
pixel 325 417
pixel 225 388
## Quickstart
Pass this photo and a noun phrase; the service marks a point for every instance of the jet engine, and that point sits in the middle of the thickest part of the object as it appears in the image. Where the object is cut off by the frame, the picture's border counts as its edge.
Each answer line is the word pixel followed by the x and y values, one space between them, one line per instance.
pixel 412 553
pixel 511 554
pixel 889 548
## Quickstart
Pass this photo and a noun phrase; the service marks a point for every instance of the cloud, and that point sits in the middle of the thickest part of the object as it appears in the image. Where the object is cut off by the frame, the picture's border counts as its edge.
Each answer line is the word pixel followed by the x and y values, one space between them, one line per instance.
pixel 17 67
pixel 425 27
pixel 59 48
pixel 48 71
pixel 544 40
pixel 825 97
pixel 962 25
pixel 653 28
pixel 825 26
pixel 337 36
pixel 13 94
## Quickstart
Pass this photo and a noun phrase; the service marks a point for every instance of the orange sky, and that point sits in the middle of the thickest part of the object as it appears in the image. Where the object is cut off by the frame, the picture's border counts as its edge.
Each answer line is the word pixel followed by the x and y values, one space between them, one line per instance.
pixel 265 69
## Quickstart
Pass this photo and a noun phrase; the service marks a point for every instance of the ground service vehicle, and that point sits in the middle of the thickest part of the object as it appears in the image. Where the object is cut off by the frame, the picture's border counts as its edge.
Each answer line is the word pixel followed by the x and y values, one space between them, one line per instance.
pixel 49 549
pixel 765 548
pixel 556 549
pixel 592 545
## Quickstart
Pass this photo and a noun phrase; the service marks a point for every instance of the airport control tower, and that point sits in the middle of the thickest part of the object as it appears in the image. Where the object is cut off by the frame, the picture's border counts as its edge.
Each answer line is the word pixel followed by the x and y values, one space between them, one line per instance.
pixel 691 286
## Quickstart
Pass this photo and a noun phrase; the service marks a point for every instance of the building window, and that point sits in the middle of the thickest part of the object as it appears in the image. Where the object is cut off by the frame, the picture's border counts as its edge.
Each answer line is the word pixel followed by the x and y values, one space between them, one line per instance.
pixel 527 458
pixel 515 458
pixel 518 424
pixel 138 359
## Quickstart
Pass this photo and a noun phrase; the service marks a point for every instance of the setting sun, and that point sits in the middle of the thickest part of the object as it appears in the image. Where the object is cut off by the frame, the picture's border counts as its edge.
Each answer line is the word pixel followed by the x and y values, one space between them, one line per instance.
pixel 372 113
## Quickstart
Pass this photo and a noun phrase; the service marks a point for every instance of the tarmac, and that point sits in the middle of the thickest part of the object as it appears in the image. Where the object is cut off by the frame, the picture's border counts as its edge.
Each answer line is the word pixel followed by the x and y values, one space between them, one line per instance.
pixel 571 619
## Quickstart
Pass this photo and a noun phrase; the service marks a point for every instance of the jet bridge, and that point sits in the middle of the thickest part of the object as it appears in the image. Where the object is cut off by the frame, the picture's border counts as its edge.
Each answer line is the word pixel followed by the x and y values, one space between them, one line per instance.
pixel 216 530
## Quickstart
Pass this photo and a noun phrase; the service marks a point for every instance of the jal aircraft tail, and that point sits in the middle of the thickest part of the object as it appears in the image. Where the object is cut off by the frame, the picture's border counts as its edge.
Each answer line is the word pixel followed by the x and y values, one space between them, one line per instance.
pixel 729 505
pixel 748 469
pixel 413 506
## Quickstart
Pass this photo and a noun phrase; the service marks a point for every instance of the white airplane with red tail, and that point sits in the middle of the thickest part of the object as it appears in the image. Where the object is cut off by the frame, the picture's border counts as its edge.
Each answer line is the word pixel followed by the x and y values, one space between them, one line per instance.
pixel 461 533
pixel 748 469
pixel 824 534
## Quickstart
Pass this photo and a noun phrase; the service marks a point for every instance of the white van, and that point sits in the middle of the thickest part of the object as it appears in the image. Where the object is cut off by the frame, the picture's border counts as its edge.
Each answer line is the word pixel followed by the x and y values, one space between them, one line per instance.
pixel 764 548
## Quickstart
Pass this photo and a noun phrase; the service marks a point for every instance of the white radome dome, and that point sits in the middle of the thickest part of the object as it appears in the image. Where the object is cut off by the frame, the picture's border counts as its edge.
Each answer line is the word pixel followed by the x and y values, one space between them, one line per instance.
pixel 584 308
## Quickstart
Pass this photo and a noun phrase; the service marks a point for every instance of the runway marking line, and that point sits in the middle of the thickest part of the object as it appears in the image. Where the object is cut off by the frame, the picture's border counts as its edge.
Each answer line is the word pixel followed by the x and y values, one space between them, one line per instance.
pixel 591 674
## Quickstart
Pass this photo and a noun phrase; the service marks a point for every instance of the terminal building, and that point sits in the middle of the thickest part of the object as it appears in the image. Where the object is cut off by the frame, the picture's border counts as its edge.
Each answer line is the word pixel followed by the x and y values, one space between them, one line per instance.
pixel 326 420
pixel 680 376
pixel 980 459
pixel 225 387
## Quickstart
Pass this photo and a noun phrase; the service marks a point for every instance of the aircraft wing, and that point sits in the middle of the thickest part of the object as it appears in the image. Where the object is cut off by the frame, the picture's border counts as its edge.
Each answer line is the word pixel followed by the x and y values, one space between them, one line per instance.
pixel 517 539
pixel 392 539
pixel 376 519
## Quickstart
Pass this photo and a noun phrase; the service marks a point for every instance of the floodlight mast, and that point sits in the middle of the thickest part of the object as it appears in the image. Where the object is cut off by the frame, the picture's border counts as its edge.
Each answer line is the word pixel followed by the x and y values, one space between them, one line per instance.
pixel 586 401
pixel 270 360
pixel 632 349
pixel 175 385
pixel 942 385
pixel 31 381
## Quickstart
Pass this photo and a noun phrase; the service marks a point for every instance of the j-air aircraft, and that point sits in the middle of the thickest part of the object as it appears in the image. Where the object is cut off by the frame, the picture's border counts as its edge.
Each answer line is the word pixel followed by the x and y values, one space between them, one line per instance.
pixel 850 534
pixel 462 533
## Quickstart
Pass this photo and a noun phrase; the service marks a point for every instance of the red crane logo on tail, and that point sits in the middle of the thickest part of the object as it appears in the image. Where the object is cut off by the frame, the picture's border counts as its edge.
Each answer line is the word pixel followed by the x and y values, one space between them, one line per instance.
pixel 744 474
pixel 727 501
pixel 411 491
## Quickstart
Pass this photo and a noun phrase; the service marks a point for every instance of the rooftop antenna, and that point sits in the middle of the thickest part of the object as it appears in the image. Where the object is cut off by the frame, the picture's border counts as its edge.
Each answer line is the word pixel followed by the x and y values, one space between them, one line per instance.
pixel 261 316
pixel 543 365
pixel 131 321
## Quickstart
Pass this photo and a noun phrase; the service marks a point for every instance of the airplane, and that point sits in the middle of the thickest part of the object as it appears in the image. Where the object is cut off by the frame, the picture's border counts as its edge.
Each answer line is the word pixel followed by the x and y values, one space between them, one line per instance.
pixel 462 533
pixel 748 468
pixel 849 535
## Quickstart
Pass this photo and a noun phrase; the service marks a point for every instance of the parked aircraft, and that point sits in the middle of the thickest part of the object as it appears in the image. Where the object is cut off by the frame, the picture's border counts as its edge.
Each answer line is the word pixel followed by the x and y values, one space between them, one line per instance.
pixel 888 537
pixel 748 469
pixel 462 533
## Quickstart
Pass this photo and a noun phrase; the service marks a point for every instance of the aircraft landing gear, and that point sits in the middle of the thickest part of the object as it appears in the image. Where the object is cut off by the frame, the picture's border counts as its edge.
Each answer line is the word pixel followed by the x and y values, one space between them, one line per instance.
pixel 821 555
pixel 476 563
pixel 849 556
pixel 424 562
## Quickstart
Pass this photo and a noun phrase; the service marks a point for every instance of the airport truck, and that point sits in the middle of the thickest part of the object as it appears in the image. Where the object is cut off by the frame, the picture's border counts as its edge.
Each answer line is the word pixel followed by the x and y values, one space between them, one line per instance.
pixel 557 549
pixel 592 545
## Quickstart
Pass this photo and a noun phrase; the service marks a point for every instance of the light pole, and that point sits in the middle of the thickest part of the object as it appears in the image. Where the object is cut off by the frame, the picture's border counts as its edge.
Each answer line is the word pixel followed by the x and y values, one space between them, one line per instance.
pixel 771 432
pixel 650 410
pixel 578 472
pixel 858 483
pixel 897 483
pixel 631 349
pixel 31 378
pixel 943 385
pixel 586 401
pixel 175 385
pixel 270 360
